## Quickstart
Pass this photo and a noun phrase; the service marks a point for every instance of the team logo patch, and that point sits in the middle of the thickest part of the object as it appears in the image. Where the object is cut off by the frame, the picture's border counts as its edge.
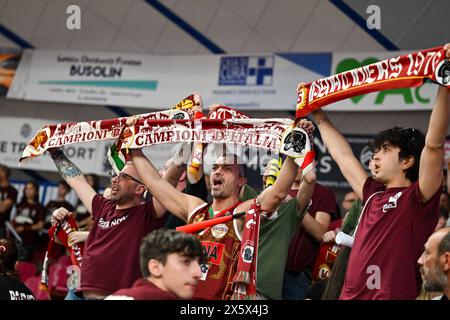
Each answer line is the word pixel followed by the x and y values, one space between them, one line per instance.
pixel 204 268
pixel 219 230
pixel 443 73
pixel 247 253
pixel 214 251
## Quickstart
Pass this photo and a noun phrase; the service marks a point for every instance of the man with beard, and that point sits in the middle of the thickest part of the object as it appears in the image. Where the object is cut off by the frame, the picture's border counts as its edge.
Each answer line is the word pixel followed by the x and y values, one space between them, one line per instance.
pixel 435 263
pixel 221 242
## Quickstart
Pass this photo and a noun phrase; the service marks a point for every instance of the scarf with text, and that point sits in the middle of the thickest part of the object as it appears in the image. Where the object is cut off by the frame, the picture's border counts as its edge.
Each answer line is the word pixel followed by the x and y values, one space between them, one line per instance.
pixel 59 135
pixel 409 70
pixel 245 278
pixel 62 231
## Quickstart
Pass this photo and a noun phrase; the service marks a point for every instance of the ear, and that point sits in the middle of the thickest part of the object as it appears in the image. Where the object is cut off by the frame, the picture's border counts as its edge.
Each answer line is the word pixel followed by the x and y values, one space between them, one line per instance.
pixel 445 262
pixel 155 268
pixel 408 163
pixel 140 189
pixel 242 181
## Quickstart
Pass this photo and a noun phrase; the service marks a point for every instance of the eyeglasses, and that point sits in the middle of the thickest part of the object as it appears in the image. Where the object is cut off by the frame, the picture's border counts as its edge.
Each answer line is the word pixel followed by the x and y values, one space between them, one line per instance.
pixel 123 176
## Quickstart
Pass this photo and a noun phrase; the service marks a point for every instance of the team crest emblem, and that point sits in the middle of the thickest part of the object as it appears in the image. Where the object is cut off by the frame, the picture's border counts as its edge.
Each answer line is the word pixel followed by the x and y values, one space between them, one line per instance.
pixel 247 254
pixel 443 73
pixel 219 230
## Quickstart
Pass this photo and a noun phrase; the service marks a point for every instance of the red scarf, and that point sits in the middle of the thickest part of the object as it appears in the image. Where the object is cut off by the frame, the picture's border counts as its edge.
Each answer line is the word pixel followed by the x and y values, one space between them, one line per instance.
pixel 403 71
pixel 61 230
pixel 245 277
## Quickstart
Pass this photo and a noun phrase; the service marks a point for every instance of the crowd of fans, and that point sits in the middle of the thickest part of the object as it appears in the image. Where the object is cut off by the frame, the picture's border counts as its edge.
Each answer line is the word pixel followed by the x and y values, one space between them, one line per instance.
pixel 396 217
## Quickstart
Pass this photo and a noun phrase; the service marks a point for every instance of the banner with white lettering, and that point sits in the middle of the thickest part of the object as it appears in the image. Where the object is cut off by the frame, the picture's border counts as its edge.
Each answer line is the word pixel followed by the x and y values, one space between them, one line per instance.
pixel 256 81
pixel 418 98
pixel 90 157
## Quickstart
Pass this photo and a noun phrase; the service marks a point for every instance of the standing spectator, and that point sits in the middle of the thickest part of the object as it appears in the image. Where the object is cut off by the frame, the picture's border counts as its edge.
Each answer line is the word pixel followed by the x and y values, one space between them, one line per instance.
pixel 401 202
pixel 119 225
pixel 435 263
pixel 11 288
pixel 170 265
pixel 8 197
pixel 304 246
pixel 29 220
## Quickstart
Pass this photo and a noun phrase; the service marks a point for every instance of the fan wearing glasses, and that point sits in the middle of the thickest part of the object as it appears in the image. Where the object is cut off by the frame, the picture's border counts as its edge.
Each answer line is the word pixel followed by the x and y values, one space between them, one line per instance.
pixel 111 256
pixel 401 202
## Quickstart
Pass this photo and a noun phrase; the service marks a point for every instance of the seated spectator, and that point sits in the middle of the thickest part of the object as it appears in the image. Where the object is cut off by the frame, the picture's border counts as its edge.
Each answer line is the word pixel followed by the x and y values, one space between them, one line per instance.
pixel 170 264
pixel 11 288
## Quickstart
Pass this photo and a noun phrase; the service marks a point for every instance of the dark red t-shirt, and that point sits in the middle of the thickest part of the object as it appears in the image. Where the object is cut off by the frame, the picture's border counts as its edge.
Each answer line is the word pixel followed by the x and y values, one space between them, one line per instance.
pixel 392 232
pixel 111 254
pixel 27 215
pixel 142 289
pixel 303 248
pixel 8 192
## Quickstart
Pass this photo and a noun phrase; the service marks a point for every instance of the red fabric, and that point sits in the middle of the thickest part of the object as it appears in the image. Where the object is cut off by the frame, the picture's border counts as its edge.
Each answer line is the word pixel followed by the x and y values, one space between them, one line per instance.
pixel 111 256
pixel 405 71
pixel 245 277
pixel 143 289
pixel 221 245
pixel 25 270
pixel 327 255
pixel 391 234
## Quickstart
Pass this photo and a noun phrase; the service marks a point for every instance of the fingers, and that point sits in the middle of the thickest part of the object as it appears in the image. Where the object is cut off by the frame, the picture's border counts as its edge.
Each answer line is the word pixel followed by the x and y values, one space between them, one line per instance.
pixel 131 121
pixel 59 214
pixel 447 49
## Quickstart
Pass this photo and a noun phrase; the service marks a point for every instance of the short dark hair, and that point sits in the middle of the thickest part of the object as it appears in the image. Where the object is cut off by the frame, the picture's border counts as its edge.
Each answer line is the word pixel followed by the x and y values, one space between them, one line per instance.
pixel 160 243
pixel 410 141
pixel 8 257
pixel 242 168
pixel 444 245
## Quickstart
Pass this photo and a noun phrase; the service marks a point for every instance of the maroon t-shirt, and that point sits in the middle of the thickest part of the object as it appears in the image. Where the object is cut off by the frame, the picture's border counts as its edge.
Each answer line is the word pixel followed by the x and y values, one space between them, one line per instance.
pixel 303 248
pixel 111 254
pixel 143 290
pixel 27 215
pixel 392 232
pixel 8 192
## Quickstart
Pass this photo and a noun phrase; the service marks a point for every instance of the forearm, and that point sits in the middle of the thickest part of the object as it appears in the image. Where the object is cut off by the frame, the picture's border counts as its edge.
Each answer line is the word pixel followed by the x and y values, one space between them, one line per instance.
pixel 68 171
pixel 304 193
pixel 335 142
pixel 151 178
pixel 166 194
pixel 437 127
pixel 272 197
pixel 37 226
pixel 173 173
pixel 313 228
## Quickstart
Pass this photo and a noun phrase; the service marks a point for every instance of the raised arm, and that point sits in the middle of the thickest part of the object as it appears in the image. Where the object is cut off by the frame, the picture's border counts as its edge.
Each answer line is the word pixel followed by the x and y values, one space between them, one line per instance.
pixel 306 190
pixel 432 157
pixel 341 152
pixel 178 203
pixel 271 197
pixel 73 176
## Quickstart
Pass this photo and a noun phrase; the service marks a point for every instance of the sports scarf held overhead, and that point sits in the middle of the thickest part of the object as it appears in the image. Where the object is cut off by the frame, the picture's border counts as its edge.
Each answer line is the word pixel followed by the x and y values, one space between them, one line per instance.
pixel 410 70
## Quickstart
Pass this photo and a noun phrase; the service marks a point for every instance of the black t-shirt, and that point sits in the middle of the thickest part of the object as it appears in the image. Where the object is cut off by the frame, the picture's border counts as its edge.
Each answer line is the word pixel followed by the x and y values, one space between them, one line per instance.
pixel 12 288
